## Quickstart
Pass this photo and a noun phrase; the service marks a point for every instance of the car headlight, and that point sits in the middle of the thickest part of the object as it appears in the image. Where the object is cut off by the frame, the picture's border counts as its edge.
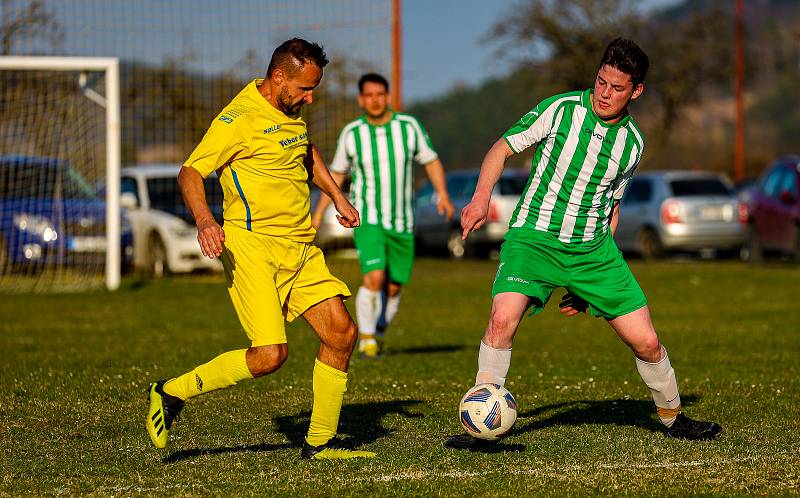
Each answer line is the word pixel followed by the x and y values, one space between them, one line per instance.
pixel 182 230
pixel 37 225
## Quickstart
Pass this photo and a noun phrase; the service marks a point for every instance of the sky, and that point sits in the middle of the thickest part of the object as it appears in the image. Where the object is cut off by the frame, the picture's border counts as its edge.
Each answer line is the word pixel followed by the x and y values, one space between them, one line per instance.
pixel 444 43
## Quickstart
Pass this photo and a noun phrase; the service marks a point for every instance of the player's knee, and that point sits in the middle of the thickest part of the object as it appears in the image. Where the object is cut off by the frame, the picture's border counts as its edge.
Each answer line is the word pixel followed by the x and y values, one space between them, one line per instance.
pixel 649 350
pixel 344 334
pixel 348 334
pixel 501 326
pixel 264 360
pixel 375 280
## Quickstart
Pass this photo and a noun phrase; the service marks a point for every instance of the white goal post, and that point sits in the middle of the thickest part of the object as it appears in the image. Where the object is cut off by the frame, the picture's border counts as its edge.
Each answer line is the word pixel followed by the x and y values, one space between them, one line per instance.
pixel 111 102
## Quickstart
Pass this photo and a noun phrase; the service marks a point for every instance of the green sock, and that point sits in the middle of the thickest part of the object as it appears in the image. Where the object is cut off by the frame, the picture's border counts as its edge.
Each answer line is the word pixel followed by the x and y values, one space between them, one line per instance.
pixel 223 371
pixel 329 387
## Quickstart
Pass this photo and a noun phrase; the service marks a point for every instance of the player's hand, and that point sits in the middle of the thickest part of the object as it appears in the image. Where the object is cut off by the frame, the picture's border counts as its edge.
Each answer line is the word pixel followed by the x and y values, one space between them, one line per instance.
pixel 348 216
pixel 445 208
pixel 211 238
pixel 473 216
pixel 571 305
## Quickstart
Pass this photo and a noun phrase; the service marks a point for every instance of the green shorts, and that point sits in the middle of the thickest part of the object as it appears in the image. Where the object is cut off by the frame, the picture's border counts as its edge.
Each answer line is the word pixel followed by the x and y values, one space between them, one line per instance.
pixel 379 249
pixel 534 263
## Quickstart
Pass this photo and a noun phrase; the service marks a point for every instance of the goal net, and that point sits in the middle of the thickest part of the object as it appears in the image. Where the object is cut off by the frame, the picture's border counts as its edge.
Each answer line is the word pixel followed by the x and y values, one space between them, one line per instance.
pixel 59 138
pixel 180 62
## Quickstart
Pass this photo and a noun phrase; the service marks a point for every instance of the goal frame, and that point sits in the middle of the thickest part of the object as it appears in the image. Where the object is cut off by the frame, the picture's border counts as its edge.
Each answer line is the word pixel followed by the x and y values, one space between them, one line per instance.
pixel 110 67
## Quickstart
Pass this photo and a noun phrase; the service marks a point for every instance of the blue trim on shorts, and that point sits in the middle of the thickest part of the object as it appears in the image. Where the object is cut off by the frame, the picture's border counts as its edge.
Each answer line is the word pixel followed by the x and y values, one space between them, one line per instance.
pixel 241 194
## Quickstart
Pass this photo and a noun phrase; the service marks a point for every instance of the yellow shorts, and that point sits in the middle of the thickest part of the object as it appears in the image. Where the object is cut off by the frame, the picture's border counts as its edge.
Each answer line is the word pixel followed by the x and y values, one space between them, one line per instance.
pixel 272 279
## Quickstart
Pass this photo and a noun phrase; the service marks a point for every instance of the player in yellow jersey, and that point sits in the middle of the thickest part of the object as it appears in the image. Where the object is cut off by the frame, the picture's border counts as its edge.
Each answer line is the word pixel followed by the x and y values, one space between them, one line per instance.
pixel 259 147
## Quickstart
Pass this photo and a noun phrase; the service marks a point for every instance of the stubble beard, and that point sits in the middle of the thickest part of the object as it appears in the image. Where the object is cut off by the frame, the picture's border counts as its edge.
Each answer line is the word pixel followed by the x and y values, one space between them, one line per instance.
pixel 285 103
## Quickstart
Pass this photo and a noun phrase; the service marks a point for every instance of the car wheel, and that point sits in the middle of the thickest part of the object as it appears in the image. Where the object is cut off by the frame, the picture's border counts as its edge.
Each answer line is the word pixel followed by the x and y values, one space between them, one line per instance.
pixel 755 253
pixel 649 244
pixel 456 246
pixel 157 264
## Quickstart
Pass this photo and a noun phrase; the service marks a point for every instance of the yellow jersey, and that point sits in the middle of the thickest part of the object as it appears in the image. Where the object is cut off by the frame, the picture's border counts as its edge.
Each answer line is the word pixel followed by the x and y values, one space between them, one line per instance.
pixel 258 153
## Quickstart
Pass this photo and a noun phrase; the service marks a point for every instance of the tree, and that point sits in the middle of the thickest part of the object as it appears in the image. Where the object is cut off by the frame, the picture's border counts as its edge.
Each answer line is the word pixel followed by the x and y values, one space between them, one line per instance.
pixel 33 20
pixel 565 39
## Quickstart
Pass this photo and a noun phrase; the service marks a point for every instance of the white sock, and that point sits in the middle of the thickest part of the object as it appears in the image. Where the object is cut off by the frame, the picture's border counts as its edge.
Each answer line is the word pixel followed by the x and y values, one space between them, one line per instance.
pixel 660 378
pixel 493 365
pixel 392 303
pixel 367 310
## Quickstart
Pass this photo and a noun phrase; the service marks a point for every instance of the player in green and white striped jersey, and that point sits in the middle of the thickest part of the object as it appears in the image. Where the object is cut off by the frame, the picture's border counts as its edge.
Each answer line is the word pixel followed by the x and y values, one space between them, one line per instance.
pixel 586 148
pixel 379 149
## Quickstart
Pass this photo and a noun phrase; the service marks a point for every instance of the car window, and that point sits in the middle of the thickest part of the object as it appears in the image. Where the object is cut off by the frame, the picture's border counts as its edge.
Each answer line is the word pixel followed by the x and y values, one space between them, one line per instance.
pixel 42 180
pixel 455 186
pixel 214 193
pixel 788 183
pixel 164 194
pixel 468 189
pixel 639 191
pixel 128 185
pixel 690 187
pixel 513 185
pixel 771 184
pixel 425 194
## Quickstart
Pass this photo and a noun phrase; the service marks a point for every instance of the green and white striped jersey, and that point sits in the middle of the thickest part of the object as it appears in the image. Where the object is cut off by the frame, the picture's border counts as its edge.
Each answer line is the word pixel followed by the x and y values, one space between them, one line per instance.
pixel 381 159
pixel 581 165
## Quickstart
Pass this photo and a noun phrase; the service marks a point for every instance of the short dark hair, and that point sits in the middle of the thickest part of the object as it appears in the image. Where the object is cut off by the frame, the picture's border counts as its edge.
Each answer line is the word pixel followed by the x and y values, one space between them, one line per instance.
pixel 372 78
pixel 292 55
pixel 626 56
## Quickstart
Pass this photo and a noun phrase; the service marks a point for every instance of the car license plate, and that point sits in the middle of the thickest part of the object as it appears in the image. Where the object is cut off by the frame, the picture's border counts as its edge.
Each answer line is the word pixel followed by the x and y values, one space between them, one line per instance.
pixel 87 244
pixel 712 213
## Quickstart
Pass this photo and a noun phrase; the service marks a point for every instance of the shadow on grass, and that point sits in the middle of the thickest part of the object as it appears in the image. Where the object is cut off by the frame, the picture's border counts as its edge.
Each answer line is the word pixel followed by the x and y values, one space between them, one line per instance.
pixel 359 423
pixel 440 348
pixel 255 448
pixel 633 412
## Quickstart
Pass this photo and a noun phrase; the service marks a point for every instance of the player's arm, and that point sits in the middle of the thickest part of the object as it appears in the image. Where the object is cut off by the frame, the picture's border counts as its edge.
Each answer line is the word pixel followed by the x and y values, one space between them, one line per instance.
pixel 330 186
pixel 473 216
pixel 325 201
pixel 435 172
pixel 209 233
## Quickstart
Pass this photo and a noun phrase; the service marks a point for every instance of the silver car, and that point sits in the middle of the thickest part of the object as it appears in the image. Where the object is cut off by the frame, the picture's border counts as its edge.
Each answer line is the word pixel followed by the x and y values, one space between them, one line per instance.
pixel 434 232
pixel 679 211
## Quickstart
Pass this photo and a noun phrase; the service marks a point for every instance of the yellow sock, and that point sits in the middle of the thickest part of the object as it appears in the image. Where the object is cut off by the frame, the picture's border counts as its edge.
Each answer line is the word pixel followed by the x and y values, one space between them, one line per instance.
pixel 223 371
pixel 329 387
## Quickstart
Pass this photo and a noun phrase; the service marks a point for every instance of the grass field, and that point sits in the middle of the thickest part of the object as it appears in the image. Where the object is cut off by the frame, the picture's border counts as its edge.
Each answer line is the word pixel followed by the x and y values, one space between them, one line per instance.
pixel 76 367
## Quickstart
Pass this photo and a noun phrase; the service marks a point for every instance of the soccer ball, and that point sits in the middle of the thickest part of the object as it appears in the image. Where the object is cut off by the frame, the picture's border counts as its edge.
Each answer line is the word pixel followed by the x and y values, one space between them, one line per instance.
pixel 488 411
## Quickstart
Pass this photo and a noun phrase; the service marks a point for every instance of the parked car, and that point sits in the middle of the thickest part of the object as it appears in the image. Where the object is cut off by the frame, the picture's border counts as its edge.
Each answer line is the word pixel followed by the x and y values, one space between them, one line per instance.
pixel 164 233
pixel 773 213
pixel 434 232
pixel 50 215
pixel 679 211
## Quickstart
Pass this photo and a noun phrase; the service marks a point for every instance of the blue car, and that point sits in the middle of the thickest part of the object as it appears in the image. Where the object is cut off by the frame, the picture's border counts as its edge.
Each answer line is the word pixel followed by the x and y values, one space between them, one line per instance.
pixel 50 215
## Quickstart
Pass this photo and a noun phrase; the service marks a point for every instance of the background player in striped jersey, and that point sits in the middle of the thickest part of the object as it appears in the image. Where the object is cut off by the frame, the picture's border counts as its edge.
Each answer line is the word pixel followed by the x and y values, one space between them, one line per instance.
pixel 587 147
pixel 380 148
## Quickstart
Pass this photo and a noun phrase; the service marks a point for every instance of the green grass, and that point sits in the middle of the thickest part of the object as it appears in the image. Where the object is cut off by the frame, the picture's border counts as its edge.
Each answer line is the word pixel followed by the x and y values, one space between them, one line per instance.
pixel 76 367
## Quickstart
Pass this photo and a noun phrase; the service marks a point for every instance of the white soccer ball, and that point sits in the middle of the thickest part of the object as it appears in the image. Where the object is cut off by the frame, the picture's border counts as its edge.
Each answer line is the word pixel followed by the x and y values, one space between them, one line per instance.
pixel 488 411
